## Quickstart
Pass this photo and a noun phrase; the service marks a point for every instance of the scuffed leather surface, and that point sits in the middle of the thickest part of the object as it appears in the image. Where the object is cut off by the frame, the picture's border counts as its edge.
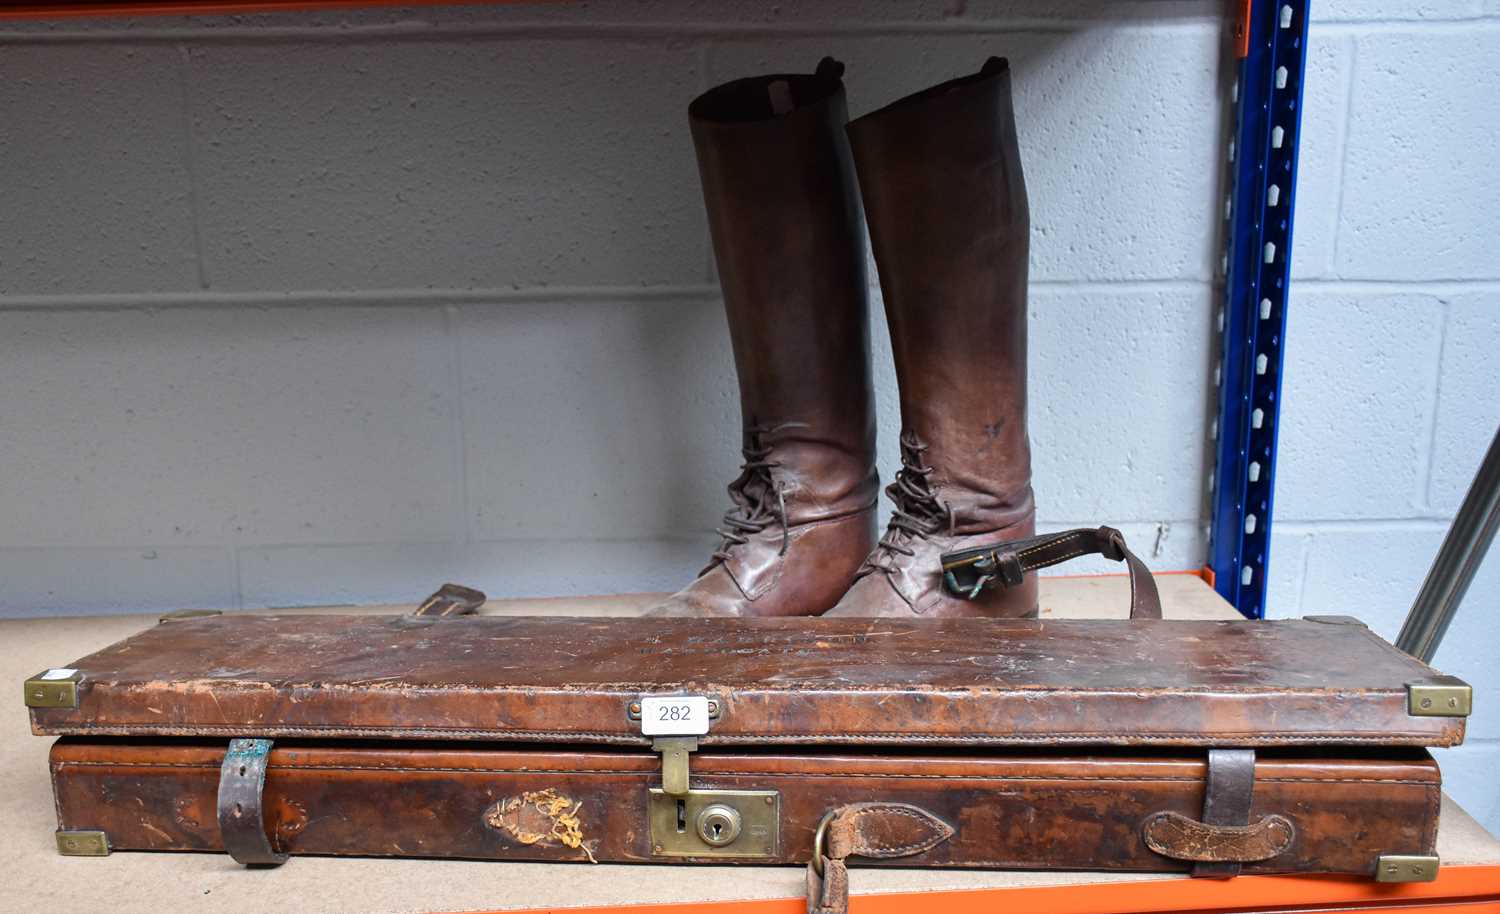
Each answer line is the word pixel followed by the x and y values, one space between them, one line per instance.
pixel 759 580
pixel 828 893
pixel 1182 838
pixel 785 221
pixel 945 201
pixel 1010 563
pixel 881 831
pixel 884 830
pixel 788 681
pixel 1227 799
pixel 917 587
pixel 1080 809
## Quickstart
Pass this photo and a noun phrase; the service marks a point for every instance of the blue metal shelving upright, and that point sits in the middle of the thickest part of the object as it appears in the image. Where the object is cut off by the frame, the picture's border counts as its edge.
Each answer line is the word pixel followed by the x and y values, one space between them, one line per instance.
pixel 1263 154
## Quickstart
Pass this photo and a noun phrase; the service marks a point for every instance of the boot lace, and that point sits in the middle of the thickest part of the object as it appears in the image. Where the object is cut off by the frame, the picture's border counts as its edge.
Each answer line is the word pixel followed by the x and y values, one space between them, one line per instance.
pixel 759 498
pixel 917 514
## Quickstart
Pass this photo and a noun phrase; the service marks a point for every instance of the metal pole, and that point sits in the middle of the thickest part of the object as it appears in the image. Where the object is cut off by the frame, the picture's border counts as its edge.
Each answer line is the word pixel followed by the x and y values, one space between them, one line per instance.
pixel 1457 560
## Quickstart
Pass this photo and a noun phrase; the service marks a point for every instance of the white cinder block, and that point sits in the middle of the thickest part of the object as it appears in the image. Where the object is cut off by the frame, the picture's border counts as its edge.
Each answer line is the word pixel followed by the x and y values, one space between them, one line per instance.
pixel 1472 646
pixel 1421 176
pixel 407 572
pixel 1118 400
pixel 1320 155
pixel 78 581
pixel 1384 10
pixel 598 421
pixel 483 163
pixel 1370 573
pixel 193 427
pixel 1162 12
pixel 520 569
pixel 887 395
pixel 93 149
pixel 1288 564
pixel 730 13
pixel 710 15
pixel 1374 574
pixel 339 575
pixel 1356 405
pixel 1091 464
pixel 1468 409
pixel 1120 187
pixel 1469 778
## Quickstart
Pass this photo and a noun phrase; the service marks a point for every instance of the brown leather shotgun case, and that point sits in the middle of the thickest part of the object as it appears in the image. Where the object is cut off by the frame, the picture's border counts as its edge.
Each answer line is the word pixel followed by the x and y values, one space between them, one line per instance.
pixel 1210 747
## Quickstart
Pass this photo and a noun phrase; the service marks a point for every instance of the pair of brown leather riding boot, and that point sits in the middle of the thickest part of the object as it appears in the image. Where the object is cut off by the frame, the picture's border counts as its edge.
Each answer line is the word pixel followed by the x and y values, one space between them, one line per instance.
pixel 945 202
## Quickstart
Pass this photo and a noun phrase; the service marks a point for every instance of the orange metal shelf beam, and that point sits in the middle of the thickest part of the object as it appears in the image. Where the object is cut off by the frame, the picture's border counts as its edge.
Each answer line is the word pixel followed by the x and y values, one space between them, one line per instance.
pixel 1465 889
pixel 86 8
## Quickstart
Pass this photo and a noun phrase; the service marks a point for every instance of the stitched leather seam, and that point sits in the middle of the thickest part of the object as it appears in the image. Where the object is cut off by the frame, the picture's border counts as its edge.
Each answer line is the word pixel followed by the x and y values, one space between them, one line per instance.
pixel 900 851
pixel 1057 542
pixel 1063 558
pixel 810 775
pixel 1070 536
pixel 1197 739
pixel 1434 804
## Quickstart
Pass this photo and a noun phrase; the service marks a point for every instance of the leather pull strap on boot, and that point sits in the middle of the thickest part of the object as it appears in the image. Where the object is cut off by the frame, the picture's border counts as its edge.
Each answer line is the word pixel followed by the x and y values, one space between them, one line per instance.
pixel 784 216
pixel 940 172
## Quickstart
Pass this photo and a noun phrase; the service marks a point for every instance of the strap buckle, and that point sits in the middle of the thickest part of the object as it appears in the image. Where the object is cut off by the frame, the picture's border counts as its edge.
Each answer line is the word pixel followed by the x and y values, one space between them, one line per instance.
pixel 967 572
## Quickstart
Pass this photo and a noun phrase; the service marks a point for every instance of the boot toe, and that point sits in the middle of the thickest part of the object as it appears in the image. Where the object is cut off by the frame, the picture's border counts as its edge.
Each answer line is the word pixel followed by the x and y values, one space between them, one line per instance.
pixel 705 597
pixel 871 597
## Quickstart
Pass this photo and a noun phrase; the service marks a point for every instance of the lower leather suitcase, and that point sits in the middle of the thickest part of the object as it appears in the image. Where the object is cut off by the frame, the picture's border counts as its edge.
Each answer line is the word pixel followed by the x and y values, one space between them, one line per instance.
pixel 1205 747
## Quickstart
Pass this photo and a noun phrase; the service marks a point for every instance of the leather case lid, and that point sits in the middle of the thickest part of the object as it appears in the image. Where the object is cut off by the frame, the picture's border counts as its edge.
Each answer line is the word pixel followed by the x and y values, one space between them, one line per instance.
pixel 778 681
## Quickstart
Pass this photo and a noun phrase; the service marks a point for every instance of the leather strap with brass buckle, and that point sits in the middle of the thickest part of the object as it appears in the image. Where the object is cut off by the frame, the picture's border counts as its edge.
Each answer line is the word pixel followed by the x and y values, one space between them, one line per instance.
pixel 968 572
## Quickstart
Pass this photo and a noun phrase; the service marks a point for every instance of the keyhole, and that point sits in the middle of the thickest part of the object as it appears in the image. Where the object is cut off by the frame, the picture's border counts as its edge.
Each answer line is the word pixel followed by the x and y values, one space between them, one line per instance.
pixel 719 824
pixel 681 816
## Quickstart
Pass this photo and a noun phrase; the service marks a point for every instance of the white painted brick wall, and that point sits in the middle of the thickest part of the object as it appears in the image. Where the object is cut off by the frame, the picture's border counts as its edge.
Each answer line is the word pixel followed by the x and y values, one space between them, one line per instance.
pixel 333 307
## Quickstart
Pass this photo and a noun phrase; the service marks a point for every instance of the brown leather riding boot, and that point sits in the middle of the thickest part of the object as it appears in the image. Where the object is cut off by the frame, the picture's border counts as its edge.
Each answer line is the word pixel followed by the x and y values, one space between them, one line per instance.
pixel 940 172
pixel 784 216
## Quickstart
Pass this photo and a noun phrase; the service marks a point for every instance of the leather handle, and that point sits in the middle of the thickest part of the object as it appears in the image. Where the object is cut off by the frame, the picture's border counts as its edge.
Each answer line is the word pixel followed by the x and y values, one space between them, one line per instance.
pixel 451 600
pixel 968 572
pixel 1224 837
pixel 878 830
pixel 1177 836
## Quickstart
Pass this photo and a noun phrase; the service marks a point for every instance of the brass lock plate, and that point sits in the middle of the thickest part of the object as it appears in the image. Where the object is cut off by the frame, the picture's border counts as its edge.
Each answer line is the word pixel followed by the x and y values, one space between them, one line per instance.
pixel 685 826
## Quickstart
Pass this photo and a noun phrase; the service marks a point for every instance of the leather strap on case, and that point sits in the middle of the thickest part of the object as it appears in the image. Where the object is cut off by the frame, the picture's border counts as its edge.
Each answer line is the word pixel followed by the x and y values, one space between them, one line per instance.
pixel 879 830
pixel 969 571
pixel 242 781
pixel 1227 793
pixel 451 600
pixel 1225 837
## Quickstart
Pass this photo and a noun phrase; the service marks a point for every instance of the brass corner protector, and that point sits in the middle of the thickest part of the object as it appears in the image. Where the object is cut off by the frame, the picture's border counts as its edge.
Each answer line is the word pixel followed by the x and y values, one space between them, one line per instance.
pixel 1335 620
pixel 1406 868
pixel 52 689
pixel 82 843
pixel 1445 697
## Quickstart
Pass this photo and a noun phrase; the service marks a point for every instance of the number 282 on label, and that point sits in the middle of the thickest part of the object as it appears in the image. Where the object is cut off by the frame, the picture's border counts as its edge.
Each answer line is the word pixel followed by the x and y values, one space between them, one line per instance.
pixel 674 715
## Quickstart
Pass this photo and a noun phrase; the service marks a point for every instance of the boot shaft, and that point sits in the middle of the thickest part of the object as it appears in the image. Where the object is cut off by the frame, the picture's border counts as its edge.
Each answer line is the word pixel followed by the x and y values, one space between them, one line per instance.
pixel 945 200
pixel 784 217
